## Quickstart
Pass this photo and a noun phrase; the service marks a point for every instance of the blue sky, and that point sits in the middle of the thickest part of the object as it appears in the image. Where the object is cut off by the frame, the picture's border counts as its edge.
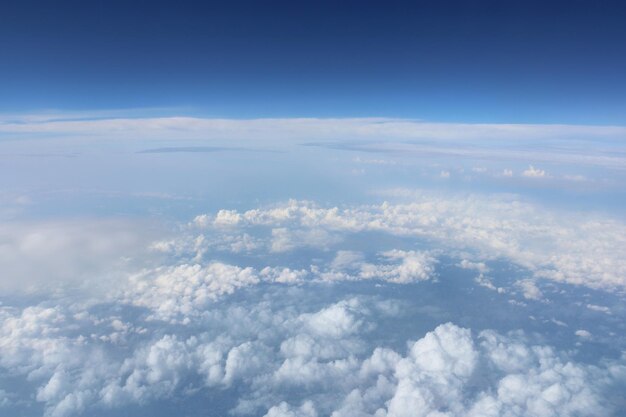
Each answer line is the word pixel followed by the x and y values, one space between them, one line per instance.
pixel 478 61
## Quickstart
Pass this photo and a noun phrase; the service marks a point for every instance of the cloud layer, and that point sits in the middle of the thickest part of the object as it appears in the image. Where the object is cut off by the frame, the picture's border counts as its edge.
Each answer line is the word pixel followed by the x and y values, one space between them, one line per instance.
pixel 234 307
pixel 574 248
pixel 294 359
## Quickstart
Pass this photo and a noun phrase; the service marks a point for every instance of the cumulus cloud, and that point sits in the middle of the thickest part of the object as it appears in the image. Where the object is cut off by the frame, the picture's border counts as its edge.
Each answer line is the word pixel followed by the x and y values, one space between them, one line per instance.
pixel 283 275
pixel 396 266
pixel 536 381
pixel 413 266
pixel 529 289
pixel 227 218
pixel 177 330
pixel 336 320
pixel 575 248
pixel 292 360
pixel 478 266
pixel 235 306
pixel 185 289
pixel 432 377
pixel 533 172
pixel 178 292
pixel 285 410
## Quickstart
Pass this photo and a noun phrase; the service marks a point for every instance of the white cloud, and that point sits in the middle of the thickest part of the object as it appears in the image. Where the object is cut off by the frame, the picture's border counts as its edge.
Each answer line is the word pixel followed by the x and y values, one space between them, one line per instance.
pixel 285 239
pixel 162 333
pixel 227 218
pixel 346 259
pixel 335 321
pixel 401 136
pixel 529 289
pixel 242 243
pixel 325 355
pixel 299 128
pixel 398 267
pixel 414 266
pixel 602 309
pixel 478 266
pixel 533 172
pixel 432 377
pixel 576 248
pixel 43 257
pixel 283 275
pixel 483 281
pixel 283 409
pixel 186 289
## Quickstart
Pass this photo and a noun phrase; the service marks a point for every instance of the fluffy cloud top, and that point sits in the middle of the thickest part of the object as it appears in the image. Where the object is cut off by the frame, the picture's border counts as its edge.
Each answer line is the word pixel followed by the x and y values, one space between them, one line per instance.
pixel 533 172
pixel 178 329
pixel 567 247
pixel 265 353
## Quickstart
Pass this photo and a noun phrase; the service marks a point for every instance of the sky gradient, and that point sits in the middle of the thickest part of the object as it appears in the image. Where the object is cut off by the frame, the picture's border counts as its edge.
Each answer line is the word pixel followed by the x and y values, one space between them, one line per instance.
pixel 476 61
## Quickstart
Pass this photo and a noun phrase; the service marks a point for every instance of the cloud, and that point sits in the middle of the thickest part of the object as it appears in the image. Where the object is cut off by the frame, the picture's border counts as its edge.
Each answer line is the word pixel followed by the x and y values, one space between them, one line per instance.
pixel 414 266
pixel 603 309
pixel 235 306
pixel 5 398
pixel 283 409
pixel 289 359
pixel 529 289
pixel 227 218
pixel 187 289
pixel 533 172
pixel 335 321
pixel 303 127
pixel 570 247
pixel 370 161
pixel 286 239
pixel 402 137
pixel 178 293
pixel 39 257
pixel 283 275
pixel 432 377
pixel 478 266
pixel 398 267
pixel 536 381
pixel 347 259
pixel 189 149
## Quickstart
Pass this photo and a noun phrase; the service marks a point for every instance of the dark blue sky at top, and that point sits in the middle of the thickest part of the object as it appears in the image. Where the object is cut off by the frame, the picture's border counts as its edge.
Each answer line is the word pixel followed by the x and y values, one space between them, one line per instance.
pixel 500 61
